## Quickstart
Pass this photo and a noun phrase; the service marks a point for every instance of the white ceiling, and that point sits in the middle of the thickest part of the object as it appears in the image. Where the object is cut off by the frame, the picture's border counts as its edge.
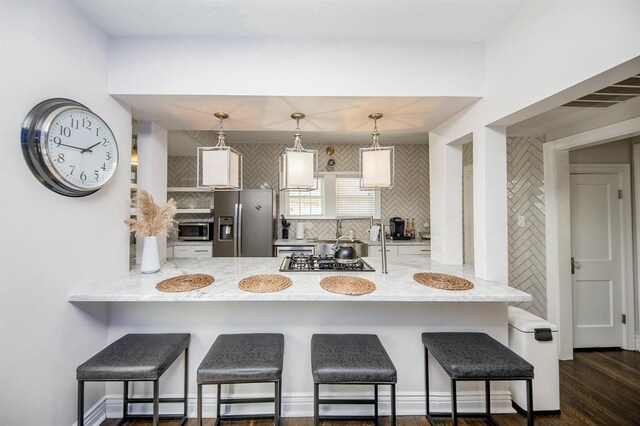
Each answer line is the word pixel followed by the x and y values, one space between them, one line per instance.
pixel 442 20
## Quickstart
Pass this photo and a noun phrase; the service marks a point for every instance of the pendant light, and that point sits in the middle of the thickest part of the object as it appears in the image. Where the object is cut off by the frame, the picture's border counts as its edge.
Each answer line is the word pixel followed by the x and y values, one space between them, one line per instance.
pixel 219 167
pixel 298 166
pixel 376 162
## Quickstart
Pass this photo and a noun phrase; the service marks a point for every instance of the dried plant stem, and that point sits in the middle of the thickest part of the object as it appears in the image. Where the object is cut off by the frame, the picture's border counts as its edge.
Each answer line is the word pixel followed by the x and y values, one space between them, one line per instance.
pixel 152 219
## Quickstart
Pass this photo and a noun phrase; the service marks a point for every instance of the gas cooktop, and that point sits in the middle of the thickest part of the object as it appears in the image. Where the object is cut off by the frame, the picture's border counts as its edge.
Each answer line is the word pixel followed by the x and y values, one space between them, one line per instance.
pixel 301 262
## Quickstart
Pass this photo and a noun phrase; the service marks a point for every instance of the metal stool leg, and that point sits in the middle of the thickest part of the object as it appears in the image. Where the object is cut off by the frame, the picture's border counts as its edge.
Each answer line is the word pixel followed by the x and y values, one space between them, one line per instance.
pixel 487 396
pixel 186 381
pixel 156 402
pixel 276 408
pixel 80 418
pixel 375 405
pixel 454 403
pixel 125 399
pixel 426 379
pixel 529 403
pixel 218 392
pixel 316 405
pixel 393 405
pixel 199 404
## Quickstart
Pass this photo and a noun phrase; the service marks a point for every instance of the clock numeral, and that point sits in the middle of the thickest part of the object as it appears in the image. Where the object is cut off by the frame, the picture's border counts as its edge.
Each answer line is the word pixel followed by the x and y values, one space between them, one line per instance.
pixel 83 177
pixel 74 123
pixel 65 131
pixel 72 169
pixel 60 158
pixel 104 167
pixel 57 140
pixel 86 123
pixel 104 141
pixel 108 156
pixel 98 130
pixel 96 175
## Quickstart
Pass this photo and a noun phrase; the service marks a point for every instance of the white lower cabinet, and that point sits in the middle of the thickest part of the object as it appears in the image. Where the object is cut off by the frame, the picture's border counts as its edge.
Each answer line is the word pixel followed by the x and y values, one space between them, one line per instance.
pixel 411 250
pixel 400 251
pixel 192 251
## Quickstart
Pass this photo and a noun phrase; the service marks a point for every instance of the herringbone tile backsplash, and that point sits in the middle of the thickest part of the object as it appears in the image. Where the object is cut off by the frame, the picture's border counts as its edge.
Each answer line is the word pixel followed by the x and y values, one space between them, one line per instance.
pixel 408 199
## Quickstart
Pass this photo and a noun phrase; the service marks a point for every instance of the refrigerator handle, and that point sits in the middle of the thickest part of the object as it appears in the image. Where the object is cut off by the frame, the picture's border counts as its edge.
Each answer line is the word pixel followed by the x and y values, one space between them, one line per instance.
pixel 239 230
pixel 236 222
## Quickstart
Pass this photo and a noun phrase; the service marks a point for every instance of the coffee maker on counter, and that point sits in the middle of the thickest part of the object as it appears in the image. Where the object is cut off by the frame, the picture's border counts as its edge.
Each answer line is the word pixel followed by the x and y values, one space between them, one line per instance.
pixel 396 228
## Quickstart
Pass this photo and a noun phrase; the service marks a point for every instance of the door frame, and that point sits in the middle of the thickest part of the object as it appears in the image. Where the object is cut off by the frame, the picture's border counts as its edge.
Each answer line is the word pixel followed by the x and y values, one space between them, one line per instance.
pixel 468 245
pixel 626 229
pixel 558 231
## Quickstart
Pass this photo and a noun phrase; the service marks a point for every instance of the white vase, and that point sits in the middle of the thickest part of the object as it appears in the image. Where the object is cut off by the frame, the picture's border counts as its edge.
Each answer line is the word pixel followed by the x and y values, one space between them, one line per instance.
pixel 150 259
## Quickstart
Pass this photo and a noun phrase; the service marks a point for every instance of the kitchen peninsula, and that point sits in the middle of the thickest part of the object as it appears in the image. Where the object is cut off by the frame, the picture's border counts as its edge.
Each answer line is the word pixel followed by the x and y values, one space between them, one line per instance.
pixel 398 311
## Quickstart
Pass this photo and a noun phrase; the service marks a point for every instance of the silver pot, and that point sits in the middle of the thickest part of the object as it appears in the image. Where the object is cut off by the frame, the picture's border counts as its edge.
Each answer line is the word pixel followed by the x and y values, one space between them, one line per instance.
pixel 345 251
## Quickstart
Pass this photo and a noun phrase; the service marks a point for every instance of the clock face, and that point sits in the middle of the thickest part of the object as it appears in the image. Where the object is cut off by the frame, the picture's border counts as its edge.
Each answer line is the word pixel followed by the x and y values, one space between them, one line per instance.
pixel 68 148
pixel 80 148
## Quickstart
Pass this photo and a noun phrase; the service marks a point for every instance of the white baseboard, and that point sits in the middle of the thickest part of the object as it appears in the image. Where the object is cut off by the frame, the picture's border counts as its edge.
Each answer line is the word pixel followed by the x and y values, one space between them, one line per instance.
pixel 97 414
pixel 301 405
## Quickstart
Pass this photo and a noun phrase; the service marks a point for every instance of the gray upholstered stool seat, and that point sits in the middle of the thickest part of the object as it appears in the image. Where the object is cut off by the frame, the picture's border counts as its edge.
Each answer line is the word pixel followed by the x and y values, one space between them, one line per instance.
pixel 348 359
pixel 137 357
pixel 474 356
pixel 243 358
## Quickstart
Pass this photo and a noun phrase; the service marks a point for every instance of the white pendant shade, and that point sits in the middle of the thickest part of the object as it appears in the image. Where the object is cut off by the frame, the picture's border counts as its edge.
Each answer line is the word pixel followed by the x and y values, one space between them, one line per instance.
pixel 298 169
pixel 376 168
pixel 219 168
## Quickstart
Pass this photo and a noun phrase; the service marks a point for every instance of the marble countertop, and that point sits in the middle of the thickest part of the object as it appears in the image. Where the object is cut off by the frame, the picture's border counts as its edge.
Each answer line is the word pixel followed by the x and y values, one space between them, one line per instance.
pixel 311 242
pixel 396 286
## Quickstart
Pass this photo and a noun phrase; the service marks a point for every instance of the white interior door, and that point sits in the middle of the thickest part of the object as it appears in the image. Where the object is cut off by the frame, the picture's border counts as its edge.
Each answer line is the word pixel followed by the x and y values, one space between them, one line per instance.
pixel 596 245
pixel 468 214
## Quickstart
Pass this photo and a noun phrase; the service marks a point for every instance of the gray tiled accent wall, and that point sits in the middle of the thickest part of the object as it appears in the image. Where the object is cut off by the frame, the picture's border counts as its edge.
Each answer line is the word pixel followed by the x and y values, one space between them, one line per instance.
pixel 409 197
pixel 525 186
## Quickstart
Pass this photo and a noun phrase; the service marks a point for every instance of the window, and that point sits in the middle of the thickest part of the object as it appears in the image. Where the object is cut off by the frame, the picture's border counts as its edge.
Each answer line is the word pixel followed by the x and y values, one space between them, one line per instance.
pixel 305 203
pixel 338 195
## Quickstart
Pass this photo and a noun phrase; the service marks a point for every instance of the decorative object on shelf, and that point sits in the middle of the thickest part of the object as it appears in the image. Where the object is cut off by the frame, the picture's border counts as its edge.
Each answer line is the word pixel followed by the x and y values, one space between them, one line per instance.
pixel 350 286
pixel 376 162
pixel 285 227
pixel 220 166
pixel 69 149
pixel 298 166
pixel 187 282
pixel 151 221
pixel 266 283
pixel 442 281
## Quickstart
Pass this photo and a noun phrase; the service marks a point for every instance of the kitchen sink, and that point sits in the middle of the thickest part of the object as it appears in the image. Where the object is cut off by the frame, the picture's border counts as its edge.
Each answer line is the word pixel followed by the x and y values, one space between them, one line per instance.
pixel 324 247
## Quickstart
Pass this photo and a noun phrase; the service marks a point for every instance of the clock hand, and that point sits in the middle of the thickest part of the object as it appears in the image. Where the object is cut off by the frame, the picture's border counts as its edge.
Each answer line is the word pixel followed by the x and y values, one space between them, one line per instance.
pixel 89 149
pixel 71 146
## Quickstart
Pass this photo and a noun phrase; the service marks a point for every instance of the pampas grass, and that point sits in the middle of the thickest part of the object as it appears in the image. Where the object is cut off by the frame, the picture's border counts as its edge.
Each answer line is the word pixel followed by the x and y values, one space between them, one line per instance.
pixel 152 219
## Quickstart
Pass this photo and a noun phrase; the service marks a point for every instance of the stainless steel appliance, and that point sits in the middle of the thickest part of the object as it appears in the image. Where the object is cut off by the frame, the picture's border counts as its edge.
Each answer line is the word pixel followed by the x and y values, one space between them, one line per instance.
pixel 396 228
pixel 195 231
pixel 244 223
pixel 301 262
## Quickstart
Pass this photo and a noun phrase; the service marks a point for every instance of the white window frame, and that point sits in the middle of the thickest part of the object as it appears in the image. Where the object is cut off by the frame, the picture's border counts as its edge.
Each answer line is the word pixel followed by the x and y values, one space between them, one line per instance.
pixel 329 198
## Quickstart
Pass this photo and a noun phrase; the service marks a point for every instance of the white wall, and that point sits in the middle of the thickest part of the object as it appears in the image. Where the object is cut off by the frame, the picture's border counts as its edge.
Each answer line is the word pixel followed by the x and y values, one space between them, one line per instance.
pixel 609 153
pixel 50 243
pixel 295 68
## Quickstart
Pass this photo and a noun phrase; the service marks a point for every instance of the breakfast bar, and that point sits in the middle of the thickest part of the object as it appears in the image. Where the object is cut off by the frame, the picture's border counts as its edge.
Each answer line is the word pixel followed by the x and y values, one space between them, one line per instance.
pixel 398 311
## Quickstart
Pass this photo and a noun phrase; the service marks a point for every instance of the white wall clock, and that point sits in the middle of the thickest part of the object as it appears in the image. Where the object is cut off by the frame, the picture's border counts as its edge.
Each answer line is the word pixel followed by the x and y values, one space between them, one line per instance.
pixel 69 149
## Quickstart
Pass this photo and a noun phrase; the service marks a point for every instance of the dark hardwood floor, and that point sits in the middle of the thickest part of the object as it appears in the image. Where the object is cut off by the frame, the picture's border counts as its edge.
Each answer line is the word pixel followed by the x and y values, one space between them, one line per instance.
pixel 596 388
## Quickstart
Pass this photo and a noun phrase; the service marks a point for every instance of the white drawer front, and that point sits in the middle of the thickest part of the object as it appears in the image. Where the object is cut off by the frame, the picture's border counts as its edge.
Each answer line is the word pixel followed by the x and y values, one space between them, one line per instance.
pixel 192 251
pixel 377 251
pixel 411 250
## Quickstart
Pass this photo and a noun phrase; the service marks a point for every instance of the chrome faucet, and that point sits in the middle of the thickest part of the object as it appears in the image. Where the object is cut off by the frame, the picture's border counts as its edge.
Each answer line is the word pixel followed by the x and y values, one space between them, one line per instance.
pixel 338 228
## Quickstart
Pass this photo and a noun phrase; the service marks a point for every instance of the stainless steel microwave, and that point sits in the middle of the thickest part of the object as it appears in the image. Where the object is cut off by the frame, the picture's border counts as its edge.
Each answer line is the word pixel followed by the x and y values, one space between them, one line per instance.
pixel 195 231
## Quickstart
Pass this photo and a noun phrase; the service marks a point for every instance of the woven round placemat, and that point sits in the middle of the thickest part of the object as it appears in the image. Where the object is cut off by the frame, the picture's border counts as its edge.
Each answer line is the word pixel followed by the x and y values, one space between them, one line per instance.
pixel 351 286
pixel 185 283
pixel 266 283
pixel 442 281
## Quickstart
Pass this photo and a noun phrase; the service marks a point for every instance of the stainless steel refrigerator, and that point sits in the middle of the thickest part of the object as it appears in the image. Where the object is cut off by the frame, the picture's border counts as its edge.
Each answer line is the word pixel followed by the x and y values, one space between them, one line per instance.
pixel 244 223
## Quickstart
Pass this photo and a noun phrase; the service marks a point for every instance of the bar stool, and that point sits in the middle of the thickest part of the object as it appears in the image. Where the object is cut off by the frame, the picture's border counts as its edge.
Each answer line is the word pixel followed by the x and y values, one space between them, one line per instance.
pixel 136 358
pixel 351 359
pixel 474 356
pixel 243 358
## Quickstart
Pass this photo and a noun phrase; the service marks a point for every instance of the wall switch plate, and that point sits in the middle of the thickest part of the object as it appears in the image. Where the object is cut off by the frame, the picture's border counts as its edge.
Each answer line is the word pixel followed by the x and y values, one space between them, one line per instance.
pixel 521 221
